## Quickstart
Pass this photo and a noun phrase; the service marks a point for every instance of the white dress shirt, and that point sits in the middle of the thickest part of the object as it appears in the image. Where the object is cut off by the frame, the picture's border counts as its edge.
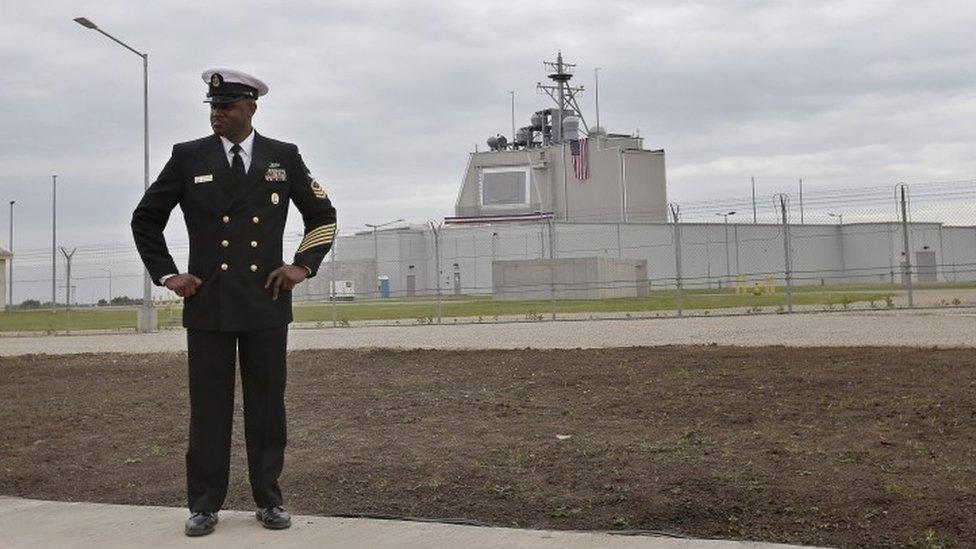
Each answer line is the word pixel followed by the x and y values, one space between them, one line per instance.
pixel 247 146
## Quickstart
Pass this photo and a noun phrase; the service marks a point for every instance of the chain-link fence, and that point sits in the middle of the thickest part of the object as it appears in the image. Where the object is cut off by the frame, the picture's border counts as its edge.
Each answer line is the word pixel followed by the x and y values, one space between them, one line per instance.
pixel 884 247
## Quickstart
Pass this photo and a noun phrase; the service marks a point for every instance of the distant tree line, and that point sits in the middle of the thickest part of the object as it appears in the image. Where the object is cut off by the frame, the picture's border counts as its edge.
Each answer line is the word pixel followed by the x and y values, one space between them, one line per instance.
pixel 122 300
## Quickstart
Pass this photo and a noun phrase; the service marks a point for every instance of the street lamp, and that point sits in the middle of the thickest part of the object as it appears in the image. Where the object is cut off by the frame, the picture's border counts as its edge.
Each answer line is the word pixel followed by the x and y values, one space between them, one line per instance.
pixel 147 315
pixel 376 263
pixel 728 268
pixel 840 217
pixel 54 243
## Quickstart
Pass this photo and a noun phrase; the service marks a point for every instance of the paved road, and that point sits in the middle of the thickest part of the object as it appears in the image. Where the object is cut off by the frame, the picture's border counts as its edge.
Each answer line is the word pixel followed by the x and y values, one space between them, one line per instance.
pixel 945 328
pixel 33 523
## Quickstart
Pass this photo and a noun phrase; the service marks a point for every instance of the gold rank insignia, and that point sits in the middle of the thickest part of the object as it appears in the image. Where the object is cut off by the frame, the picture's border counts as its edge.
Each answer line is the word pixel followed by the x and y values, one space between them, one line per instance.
pixel 317 189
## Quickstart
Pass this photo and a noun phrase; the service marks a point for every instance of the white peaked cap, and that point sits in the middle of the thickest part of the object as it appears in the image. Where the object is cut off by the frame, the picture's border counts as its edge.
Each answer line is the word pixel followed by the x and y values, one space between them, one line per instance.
pixel 232 76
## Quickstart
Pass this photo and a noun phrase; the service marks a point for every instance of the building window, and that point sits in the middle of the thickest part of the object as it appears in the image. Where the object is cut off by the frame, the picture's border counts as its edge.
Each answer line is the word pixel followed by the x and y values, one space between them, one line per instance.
pixel 503 187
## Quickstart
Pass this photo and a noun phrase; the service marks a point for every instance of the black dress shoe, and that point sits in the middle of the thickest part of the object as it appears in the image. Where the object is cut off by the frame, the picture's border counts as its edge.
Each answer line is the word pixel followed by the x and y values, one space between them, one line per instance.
pixel 200 523
pixel 275 518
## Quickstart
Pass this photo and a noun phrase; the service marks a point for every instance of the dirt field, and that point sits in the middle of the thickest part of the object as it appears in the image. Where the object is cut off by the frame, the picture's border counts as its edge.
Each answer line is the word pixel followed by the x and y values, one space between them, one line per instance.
pixel 849 447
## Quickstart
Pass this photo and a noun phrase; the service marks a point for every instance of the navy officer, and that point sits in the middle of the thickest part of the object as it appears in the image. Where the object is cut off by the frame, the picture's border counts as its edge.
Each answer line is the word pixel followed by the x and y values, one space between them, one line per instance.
pixel 234 188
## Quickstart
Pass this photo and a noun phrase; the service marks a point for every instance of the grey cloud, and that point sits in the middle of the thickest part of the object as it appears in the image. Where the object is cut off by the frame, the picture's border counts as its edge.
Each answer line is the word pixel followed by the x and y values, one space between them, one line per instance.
pixel 386 99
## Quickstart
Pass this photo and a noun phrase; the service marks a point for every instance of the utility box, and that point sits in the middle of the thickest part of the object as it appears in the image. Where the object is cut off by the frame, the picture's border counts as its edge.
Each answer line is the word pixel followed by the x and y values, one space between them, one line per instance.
pixel 342 290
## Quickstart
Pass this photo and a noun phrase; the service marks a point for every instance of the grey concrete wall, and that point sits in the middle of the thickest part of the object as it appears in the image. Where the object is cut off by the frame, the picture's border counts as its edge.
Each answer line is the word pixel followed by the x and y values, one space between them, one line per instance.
pixel 571 278
pixel 469 199
pixel 828 254
pixel 959 252
pixel 645 186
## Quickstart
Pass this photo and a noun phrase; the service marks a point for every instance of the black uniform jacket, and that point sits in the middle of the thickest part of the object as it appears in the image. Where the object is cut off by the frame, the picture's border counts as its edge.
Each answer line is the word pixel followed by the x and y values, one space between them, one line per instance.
pixel 235 229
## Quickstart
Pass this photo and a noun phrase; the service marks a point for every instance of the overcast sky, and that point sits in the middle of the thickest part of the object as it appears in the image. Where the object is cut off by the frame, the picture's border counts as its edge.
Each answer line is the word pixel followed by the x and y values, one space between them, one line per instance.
pixel 386 99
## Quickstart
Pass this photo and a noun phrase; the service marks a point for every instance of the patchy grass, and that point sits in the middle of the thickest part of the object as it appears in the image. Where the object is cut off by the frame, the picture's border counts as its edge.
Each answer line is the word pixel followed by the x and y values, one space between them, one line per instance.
pixel 471 308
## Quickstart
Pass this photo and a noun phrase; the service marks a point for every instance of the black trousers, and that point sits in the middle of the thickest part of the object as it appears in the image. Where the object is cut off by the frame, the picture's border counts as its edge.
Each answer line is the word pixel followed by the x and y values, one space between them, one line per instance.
pixel 212 368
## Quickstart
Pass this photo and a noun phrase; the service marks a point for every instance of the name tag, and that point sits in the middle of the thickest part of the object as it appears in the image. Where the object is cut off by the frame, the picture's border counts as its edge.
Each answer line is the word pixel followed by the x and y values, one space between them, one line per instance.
pixel 203 178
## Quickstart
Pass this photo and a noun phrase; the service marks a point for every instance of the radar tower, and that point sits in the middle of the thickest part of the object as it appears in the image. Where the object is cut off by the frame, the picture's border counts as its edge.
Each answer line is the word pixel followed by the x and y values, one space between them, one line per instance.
pixel 562 93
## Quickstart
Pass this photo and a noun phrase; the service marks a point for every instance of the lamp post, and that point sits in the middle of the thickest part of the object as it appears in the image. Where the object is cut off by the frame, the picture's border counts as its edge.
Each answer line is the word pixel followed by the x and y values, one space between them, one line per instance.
pixel 147 315
pixel 728 268
pixel 10 293
pixel 376 262
pixel 54 243
pixel 840 217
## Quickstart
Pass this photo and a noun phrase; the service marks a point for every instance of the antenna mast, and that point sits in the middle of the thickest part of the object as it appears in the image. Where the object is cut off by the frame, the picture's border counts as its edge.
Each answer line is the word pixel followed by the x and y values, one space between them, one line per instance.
pixel 596 92
pixel 562 93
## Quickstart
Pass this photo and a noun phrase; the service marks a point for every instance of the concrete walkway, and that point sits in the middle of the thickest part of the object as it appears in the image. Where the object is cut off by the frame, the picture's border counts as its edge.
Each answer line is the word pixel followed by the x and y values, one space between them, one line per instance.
pixel 948 328
pixel 32 523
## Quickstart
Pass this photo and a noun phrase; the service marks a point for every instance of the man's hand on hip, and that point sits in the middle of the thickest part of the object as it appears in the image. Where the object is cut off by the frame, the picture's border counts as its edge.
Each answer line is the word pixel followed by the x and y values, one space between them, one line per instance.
pixel 285 277
pixel 183 285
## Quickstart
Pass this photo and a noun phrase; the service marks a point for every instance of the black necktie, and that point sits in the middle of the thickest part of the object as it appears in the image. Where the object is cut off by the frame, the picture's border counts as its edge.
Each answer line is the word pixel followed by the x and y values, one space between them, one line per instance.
pixel 237 166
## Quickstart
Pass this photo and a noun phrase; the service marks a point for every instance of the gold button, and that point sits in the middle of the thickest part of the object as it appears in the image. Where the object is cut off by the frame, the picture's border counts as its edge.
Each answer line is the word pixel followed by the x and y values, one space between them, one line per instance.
pixel 254 268
pixel 223 266
pixel 254 243
pixel 224 243
pixel 255 219
pixel 226 219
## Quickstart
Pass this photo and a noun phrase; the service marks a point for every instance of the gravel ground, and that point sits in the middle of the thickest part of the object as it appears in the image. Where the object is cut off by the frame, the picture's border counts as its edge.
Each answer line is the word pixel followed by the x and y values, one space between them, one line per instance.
pixel 945 328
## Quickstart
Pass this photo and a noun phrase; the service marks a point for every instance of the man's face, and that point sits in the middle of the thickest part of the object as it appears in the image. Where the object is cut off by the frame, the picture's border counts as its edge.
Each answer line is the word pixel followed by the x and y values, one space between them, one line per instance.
pixel 232 119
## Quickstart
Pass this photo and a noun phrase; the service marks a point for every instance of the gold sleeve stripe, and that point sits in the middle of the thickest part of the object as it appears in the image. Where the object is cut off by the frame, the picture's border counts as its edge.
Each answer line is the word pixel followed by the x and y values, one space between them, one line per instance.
pixel 313 243
pixel 308 239
pixel 321 235
pixel 316 236
pixel 320 230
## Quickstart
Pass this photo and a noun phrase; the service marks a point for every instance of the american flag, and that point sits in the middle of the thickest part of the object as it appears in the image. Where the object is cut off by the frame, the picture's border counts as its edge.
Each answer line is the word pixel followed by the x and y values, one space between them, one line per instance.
pixel 581 158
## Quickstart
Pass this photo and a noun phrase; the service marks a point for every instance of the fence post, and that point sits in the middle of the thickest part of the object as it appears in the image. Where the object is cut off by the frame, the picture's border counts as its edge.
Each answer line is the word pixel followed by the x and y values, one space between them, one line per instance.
pixel 333 287
pixel 788 256
pixel 675 212
pixel 903 192
pixel 552 269
pixel 436 229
